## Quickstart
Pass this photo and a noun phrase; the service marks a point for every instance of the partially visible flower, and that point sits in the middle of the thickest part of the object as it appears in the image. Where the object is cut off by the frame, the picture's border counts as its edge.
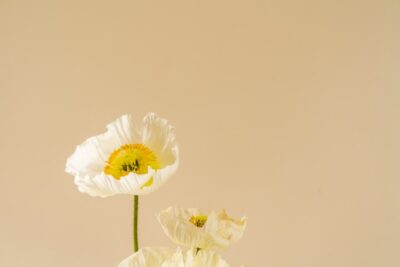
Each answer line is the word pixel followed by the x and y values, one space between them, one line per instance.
pixel 148 257
pixel 195 229
pixel 126 159
pixel 194 258
pixel 164 257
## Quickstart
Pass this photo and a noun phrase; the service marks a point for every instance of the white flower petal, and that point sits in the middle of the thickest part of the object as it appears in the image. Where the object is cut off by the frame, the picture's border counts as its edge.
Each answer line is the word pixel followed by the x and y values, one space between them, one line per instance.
pixel 125 130
pixel 203 258
pixel 207 258
pixel 165 257
pixel 103 185
pixel 176 260
pixel 88 158
pixel 224 229
pixel 147 257
pixel 159 176
pixel 159 136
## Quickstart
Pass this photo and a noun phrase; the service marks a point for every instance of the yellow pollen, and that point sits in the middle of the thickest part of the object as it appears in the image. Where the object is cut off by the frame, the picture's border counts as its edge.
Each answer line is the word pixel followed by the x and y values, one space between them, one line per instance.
pixel 134 158
pixel 199 220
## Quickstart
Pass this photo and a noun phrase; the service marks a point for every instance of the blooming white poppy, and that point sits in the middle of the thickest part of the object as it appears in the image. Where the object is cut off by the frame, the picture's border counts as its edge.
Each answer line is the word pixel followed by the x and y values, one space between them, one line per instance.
pixel 126 159
pixel 164 257
pixel 192 228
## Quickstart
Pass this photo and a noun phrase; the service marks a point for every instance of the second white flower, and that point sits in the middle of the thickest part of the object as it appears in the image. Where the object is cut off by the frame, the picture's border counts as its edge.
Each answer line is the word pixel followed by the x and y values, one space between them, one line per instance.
pixel 195 229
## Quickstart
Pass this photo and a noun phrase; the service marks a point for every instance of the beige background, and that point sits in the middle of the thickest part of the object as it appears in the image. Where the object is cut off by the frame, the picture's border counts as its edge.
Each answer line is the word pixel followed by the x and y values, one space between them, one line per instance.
pixel 286 111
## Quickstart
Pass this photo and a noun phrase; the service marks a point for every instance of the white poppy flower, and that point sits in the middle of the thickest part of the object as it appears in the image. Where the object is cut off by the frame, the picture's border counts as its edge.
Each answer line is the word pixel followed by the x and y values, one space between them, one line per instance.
pixel 164 257
pixel 192 228
pixel 126 159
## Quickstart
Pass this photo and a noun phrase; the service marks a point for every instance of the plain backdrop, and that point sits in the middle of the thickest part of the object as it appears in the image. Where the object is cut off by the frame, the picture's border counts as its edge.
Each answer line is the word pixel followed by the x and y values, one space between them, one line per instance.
pixel 285 111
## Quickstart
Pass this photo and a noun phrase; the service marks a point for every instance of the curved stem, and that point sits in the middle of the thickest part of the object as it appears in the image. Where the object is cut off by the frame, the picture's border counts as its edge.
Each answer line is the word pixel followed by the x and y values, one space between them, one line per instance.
pixel 135 223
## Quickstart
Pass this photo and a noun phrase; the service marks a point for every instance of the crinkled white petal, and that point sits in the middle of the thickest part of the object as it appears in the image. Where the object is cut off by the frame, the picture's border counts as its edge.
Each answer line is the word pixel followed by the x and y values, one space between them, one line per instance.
pixel 203 258
pixel 88 161
pixel 165 257
pixel 176 260
pixel 224 229
pixel 159 136
pixel 147 257
pixel 219 231
pixel 104 185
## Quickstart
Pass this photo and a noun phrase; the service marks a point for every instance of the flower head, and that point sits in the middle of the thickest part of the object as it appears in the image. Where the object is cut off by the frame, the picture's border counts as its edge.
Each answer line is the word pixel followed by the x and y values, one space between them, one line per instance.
pixel 195 229
pixel 126 159
pixel 164 257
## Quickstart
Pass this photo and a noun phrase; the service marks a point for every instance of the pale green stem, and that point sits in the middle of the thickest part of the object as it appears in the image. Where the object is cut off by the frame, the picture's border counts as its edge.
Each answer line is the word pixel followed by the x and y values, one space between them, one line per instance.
pixel 135 223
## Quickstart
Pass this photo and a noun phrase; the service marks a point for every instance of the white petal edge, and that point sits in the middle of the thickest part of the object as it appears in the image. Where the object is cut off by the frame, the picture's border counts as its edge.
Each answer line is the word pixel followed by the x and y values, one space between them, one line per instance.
pixel 207 258
pixel 191 258
pixel 147 257
pixel 225 230
pixel 159 136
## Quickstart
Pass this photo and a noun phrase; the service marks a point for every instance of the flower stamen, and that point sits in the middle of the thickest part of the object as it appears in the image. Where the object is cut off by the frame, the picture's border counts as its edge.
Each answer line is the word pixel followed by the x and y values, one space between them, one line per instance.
pixel 198 220
pixel 136 158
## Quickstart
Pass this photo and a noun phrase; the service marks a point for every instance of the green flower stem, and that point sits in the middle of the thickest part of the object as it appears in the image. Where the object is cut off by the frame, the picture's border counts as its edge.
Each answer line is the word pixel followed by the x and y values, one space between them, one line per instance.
pixel 135 223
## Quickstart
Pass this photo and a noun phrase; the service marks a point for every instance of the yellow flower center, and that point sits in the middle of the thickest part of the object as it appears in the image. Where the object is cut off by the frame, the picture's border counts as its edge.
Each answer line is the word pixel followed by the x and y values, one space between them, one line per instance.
pixel 198 220
pixel 134 158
